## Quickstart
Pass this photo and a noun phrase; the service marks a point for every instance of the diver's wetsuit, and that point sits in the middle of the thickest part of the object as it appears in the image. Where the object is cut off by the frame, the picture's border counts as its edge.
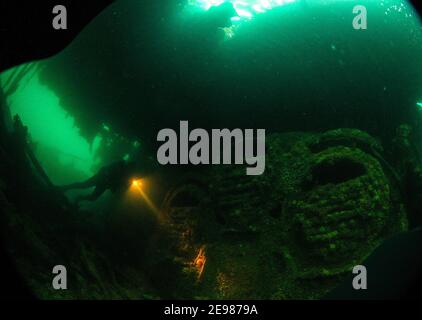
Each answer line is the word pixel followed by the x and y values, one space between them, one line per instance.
pixel 114 177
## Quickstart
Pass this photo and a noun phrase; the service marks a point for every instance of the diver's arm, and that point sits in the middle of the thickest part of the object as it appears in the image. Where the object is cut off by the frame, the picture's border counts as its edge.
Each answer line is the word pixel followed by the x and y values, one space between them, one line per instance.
pixel 94 195
pixel 91 182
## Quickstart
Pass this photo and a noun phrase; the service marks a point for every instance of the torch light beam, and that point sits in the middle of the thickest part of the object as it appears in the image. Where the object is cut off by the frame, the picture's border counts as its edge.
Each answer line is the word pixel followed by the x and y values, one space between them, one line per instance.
pixel 137 184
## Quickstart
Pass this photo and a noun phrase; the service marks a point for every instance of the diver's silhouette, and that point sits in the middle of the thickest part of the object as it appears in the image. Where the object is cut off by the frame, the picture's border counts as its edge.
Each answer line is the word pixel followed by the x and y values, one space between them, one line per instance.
pixel 114 177
pixel 219 16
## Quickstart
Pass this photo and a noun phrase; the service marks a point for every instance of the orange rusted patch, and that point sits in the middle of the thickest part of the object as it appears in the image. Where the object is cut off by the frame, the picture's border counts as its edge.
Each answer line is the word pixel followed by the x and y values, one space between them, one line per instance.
pixel 199 262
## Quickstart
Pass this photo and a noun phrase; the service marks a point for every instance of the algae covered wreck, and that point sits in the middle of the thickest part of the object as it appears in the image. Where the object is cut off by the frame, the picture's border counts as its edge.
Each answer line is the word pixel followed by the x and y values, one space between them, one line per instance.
pixel 342 150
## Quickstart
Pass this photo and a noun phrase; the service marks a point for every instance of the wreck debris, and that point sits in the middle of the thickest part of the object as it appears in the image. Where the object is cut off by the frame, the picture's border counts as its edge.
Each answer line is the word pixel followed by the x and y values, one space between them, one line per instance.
pixel 200 261
pixel 324 203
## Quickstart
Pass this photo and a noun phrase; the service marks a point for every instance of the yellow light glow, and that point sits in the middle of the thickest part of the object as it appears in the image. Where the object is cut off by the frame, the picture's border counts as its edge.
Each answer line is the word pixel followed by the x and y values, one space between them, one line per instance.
pixel 137 187
pixel 136 182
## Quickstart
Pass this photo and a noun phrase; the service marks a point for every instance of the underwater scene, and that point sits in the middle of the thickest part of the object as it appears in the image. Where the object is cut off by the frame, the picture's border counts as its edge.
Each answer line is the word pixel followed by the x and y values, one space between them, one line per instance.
pixel 334 87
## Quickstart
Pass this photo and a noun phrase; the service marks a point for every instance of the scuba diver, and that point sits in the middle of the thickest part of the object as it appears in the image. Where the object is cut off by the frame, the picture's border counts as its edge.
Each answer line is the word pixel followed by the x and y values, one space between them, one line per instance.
pixel 219 16
pixel 114 177
pixel 205 28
